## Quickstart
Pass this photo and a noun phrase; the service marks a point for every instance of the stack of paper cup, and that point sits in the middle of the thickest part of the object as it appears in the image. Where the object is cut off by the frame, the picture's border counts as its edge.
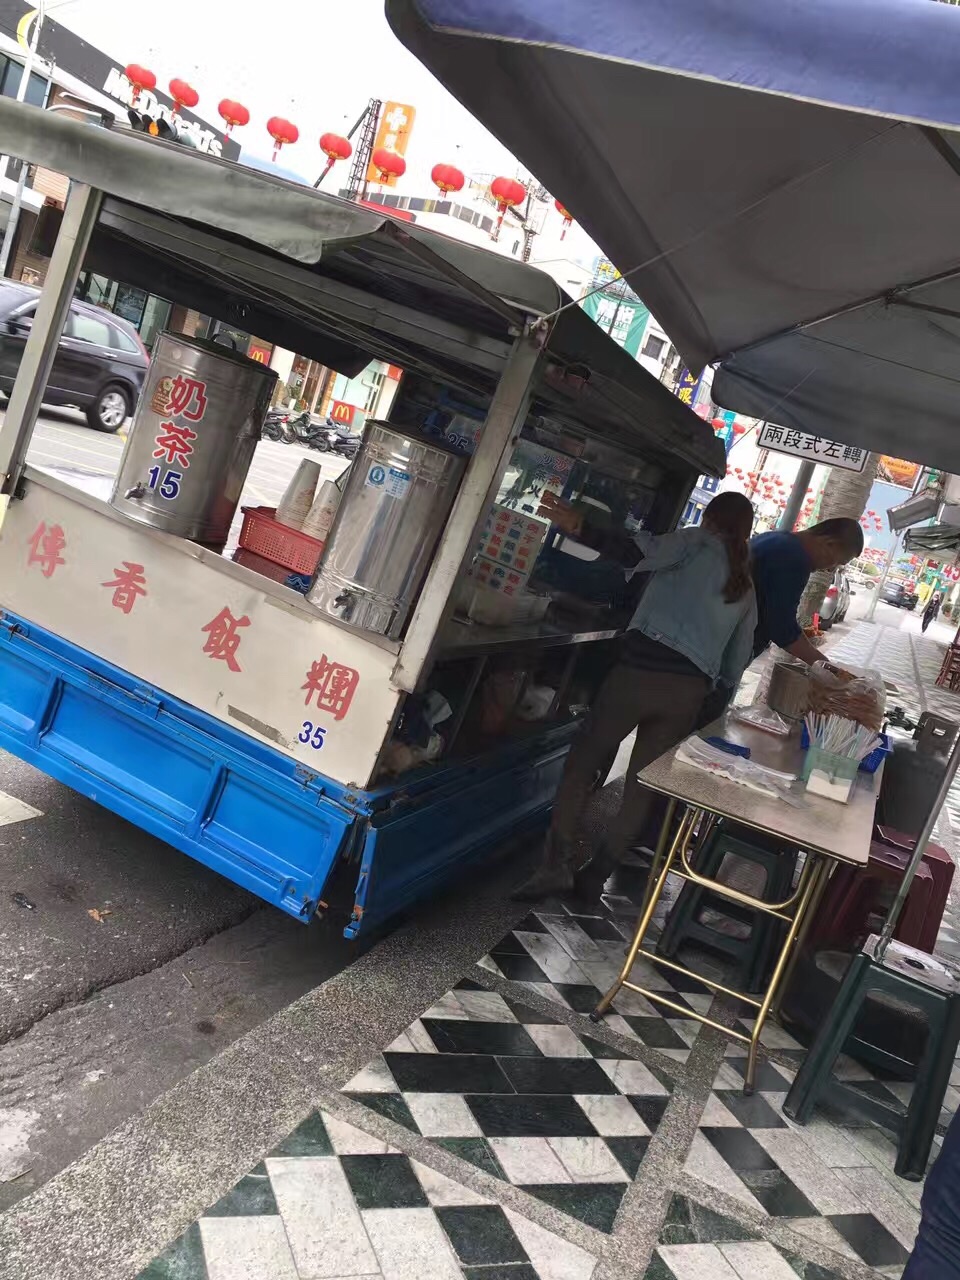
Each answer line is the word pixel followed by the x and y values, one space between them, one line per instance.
pixel 299 494
pixel 321 514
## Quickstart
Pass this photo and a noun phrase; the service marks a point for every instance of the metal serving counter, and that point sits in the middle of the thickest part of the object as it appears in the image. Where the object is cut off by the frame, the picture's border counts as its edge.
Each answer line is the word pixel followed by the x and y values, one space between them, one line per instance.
pixel 474 639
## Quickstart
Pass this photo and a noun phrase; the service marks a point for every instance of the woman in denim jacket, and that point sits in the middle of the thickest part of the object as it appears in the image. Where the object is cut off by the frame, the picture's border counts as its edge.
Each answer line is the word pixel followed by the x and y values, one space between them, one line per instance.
pixel 692 630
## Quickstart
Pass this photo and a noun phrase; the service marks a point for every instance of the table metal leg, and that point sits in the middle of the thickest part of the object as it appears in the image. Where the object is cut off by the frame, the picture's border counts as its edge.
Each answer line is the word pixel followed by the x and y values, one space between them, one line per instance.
pixel 824 872
pixel 663 839
pixel 812 874
pixel 653 897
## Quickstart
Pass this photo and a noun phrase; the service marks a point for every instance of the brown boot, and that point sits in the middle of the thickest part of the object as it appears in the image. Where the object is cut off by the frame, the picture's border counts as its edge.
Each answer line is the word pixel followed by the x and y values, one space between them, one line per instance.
pixel 554 874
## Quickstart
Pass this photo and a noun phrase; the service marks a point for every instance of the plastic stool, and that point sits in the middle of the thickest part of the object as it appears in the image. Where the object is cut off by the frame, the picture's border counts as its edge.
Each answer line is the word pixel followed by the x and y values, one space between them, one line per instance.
pixel 752 954
pixel 941 866
pixel 907 977
pixel 855 893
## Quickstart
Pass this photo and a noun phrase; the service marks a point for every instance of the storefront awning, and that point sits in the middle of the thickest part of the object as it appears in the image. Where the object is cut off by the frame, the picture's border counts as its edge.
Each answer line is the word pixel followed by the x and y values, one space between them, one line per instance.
pixel 780 182
pixel 939 540
pixel 344 284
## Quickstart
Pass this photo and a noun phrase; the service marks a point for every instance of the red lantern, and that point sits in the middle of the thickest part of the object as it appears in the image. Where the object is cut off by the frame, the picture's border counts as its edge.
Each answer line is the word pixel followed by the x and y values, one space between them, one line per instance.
pixel 388 164
pixel 234 113
pixel 282 132
pixel 508 193
pixel 183 95
pixel 334 148
pixel 565 215
pixel 446 178
pixel 738 428
pixel 872 513
pixel 140 78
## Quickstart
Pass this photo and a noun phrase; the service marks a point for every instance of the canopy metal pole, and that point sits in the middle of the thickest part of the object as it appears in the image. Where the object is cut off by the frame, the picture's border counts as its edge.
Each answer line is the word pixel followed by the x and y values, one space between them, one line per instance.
pixel 505 417
pixel 79 217
pixel 926 831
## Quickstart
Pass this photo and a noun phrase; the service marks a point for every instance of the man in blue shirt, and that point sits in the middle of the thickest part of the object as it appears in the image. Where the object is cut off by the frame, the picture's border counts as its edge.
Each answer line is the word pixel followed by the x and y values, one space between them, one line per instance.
pixel 781 564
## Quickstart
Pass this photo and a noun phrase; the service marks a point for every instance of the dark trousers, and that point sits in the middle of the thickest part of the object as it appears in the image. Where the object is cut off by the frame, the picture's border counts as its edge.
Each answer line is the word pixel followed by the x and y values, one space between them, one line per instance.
pixel 936 1255
pixel 712 708
pixel 663 707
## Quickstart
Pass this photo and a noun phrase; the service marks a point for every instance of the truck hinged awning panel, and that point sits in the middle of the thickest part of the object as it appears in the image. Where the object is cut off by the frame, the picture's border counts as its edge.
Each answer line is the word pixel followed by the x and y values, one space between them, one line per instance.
pixel 342 283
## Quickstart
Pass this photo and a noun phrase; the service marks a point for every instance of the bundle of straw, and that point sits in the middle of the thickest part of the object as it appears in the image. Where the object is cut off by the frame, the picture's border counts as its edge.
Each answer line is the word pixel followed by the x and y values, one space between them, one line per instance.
pixel 840 736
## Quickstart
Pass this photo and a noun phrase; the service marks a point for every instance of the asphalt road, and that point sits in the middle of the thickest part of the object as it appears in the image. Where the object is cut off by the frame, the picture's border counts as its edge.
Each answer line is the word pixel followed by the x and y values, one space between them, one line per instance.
pixel 124 964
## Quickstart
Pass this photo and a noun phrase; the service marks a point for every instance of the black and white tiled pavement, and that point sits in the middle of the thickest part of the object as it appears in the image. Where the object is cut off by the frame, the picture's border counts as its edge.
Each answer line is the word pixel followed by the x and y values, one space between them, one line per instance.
pixel 573 959
pixel 831 1181
pixel 697 1243
pixel 564 1116
pixel 334 1201
pixel 502 1136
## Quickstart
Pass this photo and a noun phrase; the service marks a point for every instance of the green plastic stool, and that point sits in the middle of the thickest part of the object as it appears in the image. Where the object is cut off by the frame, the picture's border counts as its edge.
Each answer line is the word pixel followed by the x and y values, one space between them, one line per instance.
pixel 922 983
pixel 753 954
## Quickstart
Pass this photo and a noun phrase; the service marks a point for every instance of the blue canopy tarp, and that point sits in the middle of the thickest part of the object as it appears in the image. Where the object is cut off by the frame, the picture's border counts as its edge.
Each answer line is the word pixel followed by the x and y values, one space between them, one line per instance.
pixel 780 181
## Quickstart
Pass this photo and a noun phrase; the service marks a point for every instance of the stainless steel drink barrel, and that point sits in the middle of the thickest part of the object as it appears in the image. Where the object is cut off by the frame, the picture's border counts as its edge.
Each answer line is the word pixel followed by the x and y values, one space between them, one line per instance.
pixel 193 438
pixel 394 507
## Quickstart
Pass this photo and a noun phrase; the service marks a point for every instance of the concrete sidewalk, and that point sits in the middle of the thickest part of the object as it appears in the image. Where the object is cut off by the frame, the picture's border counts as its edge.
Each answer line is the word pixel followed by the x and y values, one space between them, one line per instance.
pixel 443 1110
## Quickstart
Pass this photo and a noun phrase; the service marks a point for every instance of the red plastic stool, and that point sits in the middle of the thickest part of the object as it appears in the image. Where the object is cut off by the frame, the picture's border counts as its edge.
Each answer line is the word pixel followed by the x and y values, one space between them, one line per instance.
pixel 941 864
pixel 854 894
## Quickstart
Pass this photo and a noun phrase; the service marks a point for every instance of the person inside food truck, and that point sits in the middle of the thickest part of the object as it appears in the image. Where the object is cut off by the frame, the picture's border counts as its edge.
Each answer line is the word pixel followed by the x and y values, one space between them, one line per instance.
pixel 781 566
pixel 694 626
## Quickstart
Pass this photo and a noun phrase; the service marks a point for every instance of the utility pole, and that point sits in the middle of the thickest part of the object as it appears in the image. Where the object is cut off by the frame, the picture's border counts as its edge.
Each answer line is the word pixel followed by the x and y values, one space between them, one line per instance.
pixel 797 494
pixel 882 580
pixel 616 310
pixel 762 458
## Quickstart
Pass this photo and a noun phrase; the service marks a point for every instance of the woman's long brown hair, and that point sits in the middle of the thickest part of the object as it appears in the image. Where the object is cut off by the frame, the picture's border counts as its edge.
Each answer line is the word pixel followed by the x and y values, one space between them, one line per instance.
pixel 730 517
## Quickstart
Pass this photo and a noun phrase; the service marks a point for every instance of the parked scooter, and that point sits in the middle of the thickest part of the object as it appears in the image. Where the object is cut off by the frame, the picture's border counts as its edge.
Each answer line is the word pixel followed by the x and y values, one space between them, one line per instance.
pixel 342 440
pixel 303 430
pixel 274 424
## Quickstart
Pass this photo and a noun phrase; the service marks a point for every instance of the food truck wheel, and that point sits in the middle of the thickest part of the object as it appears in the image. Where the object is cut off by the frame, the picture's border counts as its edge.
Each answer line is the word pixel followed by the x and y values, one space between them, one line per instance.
pixel 110 410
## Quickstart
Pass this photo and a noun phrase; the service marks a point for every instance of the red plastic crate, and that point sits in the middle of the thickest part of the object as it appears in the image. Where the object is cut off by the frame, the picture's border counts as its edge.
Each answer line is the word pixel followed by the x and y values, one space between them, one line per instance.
pixel 266 537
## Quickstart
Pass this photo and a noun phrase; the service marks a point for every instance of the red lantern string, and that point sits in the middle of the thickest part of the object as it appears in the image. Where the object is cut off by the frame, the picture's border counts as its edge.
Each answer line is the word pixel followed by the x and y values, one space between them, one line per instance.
pixel 565 215
pixel 447 178
pixel 507 193
pixel 388 164
pixel 140 78
pixel 282 132
pixel 334 148
pixel 183 95
pixel 234 113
